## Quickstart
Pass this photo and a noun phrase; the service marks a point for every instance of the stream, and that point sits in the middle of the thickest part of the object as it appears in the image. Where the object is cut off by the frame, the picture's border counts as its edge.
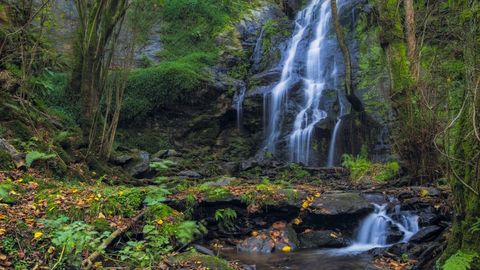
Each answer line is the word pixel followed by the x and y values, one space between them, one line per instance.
pixel 377 230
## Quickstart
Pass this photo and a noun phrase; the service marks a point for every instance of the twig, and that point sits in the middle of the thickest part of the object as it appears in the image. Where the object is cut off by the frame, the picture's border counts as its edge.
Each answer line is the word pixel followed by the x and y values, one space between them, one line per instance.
pixel 59 259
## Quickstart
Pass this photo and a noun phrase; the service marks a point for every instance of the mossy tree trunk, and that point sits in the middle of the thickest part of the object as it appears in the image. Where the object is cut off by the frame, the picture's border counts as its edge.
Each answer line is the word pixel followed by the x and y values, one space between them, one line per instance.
pixel 463 141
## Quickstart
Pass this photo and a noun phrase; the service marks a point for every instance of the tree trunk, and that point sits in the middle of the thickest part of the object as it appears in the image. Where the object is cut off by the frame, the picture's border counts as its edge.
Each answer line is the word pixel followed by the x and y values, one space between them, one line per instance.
pixel 411 38
pixel 349 86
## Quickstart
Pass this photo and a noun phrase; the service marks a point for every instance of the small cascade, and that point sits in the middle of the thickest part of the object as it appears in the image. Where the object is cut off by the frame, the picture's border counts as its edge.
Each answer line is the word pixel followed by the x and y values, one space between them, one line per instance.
pixel 333 144
pixel 238 101
pixel 375 228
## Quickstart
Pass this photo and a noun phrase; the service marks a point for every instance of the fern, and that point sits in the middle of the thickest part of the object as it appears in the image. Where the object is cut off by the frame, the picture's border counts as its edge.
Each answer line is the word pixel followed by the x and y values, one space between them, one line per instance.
pixel 35 155
pixel 460 261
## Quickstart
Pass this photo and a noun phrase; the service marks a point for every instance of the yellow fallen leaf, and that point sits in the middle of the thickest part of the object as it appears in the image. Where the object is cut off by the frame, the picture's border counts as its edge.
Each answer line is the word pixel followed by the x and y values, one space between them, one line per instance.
pixel 37 235
pixel 101 215
pixel 12 192
pixel 286 249
pixel 2 231
pixel 3 257
pixel 317 194
pixel 51 249
pixel 97 265
pixel 159 221
pixel 297 221
pixel 254 233
pixel 305 205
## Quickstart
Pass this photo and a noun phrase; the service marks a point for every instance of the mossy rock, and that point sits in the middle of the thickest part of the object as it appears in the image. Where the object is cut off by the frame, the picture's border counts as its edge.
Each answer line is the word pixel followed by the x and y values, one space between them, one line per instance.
pixel 202 261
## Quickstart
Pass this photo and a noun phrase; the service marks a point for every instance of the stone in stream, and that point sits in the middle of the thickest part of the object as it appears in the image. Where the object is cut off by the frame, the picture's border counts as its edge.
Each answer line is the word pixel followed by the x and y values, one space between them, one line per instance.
pixel 279 237
pixel 321 239
pixel 341 203
pixel 426 234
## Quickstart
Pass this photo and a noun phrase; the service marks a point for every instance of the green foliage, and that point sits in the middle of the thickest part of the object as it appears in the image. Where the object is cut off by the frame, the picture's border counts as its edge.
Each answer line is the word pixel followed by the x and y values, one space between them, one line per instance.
pixel 361 168
pixel 159 240
pixel 5 192
pixel 226 217
pixel 156 196
pixel 35 155
pixel 460 261
pixel 390 170
pixel 73 238
pixel 358 166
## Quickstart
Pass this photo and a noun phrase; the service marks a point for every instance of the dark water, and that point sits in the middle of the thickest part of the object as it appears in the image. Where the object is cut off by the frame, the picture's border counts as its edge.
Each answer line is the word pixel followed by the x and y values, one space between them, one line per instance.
pixel 304 260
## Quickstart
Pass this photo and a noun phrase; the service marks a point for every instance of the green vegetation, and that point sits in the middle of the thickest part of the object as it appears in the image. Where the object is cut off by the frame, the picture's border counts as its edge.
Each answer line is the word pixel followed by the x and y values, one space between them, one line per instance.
pixel 362 169
pixel 460 261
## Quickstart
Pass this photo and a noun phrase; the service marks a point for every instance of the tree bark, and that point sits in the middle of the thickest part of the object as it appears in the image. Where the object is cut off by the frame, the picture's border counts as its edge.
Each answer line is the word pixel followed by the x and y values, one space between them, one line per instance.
pixel 411 38
pixel 349 86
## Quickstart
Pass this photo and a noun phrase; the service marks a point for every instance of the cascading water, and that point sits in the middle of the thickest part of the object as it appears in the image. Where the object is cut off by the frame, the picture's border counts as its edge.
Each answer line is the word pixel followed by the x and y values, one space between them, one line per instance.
pixel 311 59
pixel 278 94
pixel 238 101
pixel 375 228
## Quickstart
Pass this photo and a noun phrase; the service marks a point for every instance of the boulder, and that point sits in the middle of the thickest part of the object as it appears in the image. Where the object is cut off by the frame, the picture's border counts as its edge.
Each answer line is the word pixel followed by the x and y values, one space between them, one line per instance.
pixel 139 164
pixel 321 239
pixel 426 234
pixel 341 203
pixel 120 158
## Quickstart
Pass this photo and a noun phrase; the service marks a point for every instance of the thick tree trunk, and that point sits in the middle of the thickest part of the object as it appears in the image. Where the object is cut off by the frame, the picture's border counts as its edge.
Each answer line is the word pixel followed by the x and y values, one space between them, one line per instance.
pixel 411 38
pixel 349 86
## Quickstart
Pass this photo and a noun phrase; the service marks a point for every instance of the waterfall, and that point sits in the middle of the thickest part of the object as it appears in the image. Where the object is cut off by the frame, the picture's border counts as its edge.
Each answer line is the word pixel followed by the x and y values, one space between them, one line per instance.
pixel 311 60
pixel 238 100
pixel 277 98
pixel 375 228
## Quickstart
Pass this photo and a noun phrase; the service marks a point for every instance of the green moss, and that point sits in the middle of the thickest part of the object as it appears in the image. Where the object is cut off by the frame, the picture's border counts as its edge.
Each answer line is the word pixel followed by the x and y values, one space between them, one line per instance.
pixel 162 86
pixel 208 262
